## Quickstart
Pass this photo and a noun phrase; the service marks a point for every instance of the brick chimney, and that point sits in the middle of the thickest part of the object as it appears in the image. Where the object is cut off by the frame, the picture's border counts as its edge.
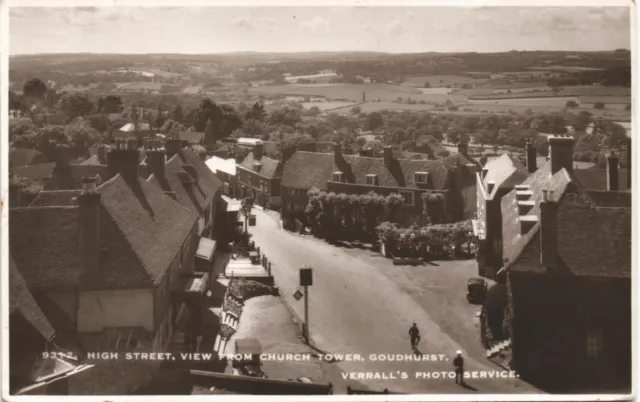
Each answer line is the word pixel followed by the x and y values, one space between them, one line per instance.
pixel 463 148
pixel 548 230
pixel 102 154
pixel 337 153
pixel 561 152
pixel 388 155
pixel 123 158
pixel 258 151
pixel 61 157
pixel 172 147
pixel 89 224
pixel 613 164
pixel 532 155
pixel 156 161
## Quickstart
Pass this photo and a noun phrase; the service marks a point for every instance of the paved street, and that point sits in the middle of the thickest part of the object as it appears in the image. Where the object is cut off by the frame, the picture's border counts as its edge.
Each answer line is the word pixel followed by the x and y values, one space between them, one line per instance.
pixel 357 308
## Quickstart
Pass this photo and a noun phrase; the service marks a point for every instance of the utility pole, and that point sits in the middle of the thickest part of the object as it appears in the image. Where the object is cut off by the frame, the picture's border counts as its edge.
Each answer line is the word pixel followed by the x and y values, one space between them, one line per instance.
pixel 306 313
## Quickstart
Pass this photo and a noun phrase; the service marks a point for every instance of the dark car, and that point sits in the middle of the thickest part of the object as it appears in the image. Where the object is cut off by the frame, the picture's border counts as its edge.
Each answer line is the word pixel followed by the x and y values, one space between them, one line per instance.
pixel 476 290
pixel 251 370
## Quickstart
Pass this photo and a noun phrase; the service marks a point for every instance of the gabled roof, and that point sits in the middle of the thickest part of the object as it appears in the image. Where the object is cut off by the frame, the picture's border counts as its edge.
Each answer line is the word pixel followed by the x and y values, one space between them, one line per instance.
pixel 192 137
pixel 205 189
pixel 596 179
pixel 153 224
pixel 141 232
pixel 505 171
pixel 21 301
pixel 594 238
pixel 34 172
pixel 26 156
pixel 311 169
pixel 269 168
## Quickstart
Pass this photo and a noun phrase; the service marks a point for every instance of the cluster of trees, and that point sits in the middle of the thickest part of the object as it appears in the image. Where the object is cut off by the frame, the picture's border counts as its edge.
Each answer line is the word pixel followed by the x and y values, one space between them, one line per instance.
pixel 350 215
pixel 431 241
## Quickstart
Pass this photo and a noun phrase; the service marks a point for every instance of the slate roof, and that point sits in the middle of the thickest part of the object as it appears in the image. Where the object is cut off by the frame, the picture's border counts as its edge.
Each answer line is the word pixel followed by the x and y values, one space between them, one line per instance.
pixel 271 168
pixel 311 169
pixel 205 189
pixel 58 198
pixel 26 156
pixel 35 173
pixel 76 173
pixel 506 171
pixel 596 179
pixel 21 301
pixel 594 229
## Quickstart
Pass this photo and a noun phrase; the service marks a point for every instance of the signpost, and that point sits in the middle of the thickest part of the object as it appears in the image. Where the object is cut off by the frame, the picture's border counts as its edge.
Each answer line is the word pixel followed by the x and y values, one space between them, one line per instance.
pixel 306 280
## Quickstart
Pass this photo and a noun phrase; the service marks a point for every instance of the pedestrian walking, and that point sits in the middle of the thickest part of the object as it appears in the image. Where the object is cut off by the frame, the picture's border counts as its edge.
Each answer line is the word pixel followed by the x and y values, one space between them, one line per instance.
pixel 414 334
pixel 458 363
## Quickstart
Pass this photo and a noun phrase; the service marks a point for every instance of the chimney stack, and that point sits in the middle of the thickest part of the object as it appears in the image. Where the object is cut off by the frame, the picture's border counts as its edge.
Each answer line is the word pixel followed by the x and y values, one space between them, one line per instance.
pixel 388 155
pixel 463 148
pixel 172 147
pixel 156 161
pixel 532 156
pixel 561 153
pixel 102 154
pixel 61 157
pixel 612 172
pixel 258 150
pixel 124 158
pixel 337 153
pixel 548 230
pixel 89 224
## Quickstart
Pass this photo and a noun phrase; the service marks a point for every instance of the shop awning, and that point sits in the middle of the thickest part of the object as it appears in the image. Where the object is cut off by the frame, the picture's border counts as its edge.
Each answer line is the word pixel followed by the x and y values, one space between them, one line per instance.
pixel 206 249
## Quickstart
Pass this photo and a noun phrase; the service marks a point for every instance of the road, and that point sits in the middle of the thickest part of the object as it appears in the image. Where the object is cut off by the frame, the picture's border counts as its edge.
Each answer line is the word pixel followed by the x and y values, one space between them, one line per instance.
pixel 356 309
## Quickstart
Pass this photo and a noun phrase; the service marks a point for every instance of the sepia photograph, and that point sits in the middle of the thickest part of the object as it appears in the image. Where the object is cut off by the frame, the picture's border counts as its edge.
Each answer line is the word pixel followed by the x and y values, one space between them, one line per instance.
pixel 275 200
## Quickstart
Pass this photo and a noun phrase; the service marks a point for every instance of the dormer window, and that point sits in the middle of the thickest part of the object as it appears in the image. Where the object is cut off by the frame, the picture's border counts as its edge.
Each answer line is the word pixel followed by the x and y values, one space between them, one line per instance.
pixel 421 177
pixel 371 180
pixel 337 177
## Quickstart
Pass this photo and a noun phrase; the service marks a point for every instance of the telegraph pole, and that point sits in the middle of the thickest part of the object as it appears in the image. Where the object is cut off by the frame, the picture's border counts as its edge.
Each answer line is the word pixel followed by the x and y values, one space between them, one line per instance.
pixel 306 313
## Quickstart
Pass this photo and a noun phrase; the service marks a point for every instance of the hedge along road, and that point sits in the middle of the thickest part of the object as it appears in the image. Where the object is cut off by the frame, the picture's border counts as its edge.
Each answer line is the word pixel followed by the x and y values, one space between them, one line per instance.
pixel 354 309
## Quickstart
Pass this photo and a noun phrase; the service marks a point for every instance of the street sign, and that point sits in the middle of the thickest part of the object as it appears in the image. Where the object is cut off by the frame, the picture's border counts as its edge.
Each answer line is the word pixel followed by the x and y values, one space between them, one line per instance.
pixel 306 276
pixel 298 295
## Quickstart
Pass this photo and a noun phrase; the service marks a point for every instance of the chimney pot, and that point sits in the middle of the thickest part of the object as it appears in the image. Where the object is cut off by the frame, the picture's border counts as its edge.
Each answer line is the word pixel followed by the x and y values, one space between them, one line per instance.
pixel 561 153
pixel 89 185
pixel 258 150
pixel 388 155
pixel 463 148
pixel 613 166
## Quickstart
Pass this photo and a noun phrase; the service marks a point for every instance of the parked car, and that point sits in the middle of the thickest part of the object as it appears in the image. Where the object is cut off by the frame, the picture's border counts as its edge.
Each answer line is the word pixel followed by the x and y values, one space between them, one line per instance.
pixel 476 290
pixel 251 370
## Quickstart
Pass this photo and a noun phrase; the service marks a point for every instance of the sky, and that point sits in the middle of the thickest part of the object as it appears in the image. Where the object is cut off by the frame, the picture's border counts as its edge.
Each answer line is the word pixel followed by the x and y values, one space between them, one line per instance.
pixel 295 29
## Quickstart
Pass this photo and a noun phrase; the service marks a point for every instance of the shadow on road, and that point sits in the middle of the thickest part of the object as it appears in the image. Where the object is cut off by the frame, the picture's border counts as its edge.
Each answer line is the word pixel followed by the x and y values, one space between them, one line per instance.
pixel 467 386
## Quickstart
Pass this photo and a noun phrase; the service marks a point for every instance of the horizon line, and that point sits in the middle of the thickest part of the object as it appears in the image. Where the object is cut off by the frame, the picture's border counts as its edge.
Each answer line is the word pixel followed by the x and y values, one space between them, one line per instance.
pixel 316 51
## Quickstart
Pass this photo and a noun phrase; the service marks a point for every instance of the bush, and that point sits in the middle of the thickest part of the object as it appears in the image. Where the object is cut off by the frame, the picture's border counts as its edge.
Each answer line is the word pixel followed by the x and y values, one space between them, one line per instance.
pixel 598 105
pixel 245 289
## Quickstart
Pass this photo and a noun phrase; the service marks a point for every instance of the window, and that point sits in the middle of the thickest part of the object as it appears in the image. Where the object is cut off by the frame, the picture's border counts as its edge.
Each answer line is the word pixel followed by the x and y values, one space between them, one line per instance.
pixel 408 197
pixel 595 342
pixel 371 179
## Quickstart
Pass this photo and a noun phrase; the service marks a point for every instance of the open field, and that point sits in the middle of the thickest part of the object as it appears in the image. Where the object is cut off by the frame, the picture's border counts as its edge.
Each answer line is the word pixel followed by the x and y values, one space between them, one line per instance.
pixel 568 69
pixel 324 106
pixel 371 107
pixel 353 92
pixel 441 80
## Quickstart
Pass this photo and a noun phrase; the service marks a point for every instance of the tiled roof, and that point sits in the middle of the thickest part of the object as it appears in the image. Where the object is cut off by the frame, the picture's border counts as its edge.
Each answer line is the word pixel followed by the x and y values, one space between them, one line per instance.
pixel 21 300
pixel 44 244
pixel 615 199
pixel 207 186
pixel 26 156
pixel 592 240
pixel 153 224
pixel 192 137
pixel 596 179
pixel 34 172
pixel 270 168
pixel 505 171
pixel 311 169
pixel 58 198
pixel 75 175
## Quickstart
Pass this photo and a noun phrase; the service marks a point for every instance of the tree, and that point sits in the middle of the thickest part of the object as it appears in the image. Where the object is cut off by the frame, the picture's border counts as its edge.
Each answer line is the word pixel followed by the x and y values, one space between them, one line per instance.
pixel 160 118
pixel 99 122
pixel 82 137
pixel 571 104
pixel 598 105
pixel 427 85
pixel 177 114
pixel 34 90
pixel 373 121
pixel 256 112
pixel 18 127
pixel 73 106
pixel 285 116
pixel 110 104
pixel 356 110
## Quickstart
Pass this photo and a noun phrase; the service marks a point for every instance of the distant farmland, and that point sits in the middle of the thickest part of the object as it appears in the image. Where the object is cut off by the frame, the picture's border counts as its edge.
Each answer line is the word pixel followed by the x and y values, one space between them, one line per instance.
pixel 440 80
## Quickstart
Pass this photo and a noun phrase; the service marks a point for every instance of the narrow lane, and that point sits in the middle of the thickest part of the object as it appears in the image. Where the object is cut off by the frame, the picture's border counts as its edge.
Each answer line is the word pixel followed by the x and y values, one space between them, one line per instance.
pixel 355 309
